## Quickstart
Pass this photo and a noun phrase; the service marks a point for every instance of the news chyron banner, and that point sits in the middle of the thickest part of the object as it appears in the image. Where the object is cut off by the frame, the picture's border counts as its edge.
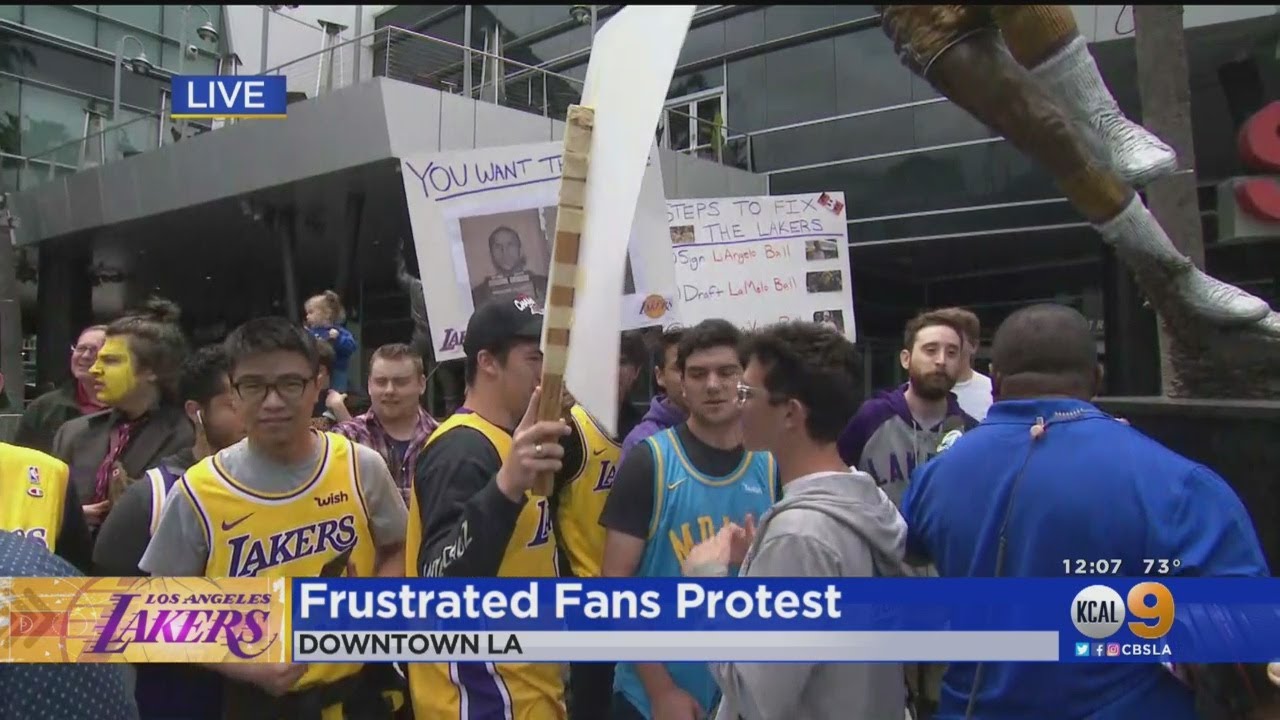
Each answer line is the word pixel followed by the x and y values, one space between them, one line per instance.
pixel 143 620
pixel 1077 619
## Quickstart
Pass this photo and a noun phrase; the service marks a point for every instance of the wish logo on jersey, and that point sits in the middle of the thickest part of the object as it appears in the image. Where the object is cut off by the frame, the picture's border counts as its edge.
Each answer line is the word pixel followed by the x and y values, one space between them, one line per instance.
pixel 250 555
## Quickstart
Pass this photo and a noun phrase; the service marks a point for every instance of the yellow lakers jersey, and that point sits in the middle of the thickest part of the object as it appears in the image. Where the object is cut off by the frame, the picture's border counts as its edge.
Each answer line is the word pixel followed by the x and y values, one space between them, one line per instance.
pixel 518 691
pixel 580 502
pixel 294 534
pixel 33 493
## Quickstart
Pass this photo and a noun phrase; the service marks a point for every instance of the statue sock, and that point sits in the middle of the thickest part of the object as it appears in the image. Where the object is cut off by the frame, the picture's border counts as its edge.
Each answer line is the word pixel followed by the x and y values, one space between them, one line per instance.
pixel 1136 229
pixel 1135 153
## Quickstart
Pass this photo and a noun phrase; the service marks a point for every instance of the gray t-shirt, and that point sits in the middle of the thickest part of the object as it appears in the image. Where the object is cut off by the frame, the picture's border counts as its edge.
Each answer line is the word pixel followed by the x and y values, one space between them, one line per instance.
pixel 180 548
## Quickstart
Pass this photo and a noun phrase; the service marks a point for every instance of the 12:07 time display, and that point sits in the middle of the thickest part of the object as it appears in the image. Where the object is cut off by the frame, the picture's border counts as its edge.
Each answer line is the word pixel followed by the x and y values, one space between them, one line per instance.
pixel 1091 567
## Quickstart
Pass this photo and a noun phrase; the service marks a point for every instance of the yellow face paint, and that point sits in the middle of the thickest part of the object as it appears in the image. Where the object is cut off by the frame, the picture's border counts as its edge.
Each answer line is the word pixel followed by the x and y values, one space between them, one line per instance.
pixel 112 372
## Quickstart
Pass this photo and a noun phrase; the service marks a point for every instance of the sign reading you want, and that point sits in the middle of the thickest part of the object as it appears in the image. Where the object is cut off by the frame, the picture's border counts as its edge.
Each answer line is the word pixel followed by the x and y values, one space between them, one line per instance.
pixel 761 260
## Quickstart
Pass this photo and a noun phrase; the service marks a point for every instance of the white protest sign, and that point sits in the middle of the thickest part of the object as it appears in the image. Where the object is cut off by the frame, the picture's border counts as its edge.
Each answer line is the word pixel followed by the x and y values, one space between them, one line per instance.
pixel 759 260
pixel 483 224
pixel 632 60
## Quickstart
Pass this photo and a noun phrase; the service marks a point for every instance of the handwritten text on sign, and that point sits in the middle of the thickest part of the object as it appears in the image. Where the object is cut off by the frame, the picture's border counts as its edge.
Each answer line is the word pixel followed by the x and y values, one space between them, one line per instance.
pixel 760 260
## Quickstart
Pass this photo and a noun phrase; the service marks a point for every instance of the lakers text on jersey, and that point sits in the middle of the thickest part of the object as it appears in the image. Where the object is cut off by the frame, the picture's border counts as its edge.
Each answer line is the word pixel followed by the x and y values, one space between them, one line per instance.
pixel 298 533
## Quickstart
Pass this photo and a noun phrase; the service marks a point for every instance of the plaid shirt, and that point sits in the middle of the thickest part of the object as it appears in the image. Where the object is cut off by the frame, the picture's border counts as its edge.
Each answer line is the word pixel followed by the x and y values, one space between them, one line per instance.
pixel 368 431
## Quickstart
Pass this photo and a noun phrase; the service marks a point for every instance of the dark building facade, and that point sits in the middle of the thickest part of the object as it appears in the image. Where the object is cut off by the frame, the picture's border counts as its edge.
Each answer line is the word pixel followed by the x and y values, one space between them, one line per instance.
pixel 57 81
pixel 941 211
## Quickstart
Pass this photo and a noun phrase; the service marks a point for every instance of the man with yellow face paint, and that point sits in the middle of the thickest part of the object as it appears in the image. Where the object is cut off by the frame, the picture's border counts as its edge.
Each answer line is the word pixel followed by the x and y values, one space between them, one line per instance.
pixel 135 376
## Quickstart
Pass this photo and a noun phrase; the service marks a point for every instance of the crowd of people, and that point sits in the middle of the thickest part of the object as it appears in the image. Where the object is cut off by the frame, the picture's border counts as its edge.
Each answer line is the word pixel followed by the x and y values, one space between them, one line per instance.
pixel 759 457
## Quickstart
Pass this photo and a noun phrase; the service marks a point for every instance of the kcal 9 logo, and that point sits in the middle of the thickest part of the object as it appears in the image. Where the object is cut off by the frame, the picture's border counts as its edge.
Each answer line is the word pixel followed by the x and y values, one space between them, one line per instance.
pixel 1098 611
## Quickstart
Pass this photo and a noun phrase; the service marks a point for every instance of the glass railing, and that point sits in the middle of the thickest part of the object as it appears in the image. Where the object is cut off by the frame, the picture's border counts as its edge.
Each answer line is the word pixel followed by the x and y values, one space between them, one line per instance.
pixel 117 141
pixel 398 54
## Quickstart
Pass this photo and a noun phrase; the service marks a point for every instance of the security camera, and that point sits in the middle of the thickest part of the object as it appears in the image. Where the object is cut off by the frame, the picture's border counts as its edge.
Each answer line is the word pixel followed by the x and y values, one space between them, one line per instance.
pixel 193 52
pixel 581 14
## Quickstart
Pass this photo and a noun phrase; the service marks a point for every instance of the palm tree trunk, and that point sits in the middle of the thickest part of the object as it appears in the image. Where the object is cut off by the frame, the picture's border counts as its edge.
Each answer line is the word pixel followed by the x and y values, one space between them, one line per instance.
pixel 1198 360
pixel 1161 48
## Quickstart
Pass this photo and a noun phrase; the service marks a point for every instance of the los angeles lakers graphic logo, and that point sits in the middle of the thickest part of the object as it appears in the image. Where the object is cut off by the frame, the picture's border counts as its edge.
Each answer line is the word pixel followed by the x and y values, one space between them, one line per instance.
pixel 655 306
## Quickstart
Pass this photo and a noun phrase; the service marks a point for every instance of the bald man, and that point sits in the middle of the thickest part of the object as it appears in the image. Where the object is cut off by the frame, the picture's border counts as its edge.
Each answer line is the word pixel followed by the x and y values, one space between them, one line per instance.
pixel 1087 487
pixel 511 276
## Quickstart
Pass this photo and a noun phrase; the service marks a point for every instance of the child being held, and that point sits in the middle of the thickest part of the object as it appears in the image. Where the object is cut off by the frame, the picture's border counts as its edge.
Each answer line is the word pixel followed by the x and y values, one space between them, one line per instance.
pixel 324 319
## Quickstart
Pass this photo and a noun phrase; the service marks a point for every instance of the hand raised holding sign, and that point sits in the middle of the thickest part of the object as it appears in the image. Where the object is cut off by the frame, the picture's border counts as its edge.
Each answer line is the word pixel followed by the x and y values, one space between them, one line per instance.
pixel 535 448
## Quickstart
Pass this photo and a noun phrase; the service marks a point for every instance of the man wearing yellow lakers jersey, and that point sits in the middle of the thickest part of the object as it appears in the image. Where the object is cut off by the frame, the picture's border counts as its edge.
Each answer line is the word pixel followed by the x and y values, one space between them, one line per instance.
pixel 678 488
pixel 591 459
pixel 286 501
pixel 37 502
pixel 471 515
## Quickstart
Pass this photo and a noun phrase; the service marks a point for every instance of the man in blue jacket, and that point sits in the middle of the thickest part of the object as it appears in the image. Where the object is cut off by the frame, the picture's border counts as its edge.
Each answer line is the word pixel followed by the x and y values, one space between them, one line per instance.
pixel 1048 477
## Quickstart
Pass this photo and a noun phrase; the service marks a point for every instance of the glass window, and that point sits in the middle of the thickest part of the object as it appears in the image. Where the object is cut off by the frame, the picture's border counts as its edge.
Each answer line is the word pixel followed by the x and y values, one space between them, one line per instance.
pixel 452 28
pixel 836 140
pixel 868 73
pixel 560 44
pixel 696 82
pixel 146 17
pixel 702 43
pixel 875 133
pixel 710 120
pixel 133 133
pixel 109 35
pixel 944 122
pixel 1017 216
pixel 50 119
pixel 517 21
pixel 10 174
pixel 9 122
pixel 64 21
pixel 744 30
pixel 799 83
pixel 561 93
pixel 742 80
pixel 785 20
pixel 11 12
pixel 948 178
pixel 845 13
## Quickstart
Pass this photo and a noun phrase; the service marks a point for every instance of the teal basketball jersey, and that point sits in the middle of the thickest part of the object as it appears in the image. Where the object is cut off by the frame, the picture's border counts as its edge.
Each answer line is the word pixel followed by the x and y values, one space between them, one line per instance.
pixel 689 507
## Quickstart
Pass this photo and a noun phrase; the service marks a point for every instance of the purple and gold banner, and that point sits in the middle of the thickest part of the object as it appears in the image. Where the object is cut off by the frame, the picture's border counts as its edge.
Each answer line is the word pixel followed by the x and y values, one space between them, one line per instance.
pixel 143 620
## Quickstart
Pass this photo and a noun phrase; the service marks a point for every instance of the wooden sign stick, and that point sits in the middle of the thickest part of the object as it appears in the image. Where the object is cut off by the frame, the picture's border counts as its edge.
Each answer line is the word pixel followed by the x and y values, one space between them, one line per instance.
pixel 563 273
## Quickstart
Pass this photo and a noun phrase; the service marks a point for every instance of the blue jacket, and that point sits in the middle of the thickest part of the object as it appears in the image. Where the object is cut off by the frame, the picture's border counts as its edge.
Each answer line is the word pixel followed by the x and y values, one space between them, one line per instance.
pixel 343 347
pixel 1088 488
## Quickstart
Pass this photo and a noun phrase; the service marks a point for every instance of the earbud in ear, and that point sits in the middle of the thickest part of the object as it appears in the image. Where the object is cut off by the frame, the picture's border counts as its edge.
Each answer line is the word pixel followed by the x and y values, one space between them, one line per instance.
pixel 200 418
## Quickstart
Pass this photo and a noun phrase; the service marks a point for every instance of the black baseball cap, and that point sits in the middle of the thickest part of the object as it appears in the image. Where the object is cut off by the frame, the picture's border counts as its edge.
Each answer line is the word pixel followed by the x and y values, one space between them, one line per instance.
pixel 498 323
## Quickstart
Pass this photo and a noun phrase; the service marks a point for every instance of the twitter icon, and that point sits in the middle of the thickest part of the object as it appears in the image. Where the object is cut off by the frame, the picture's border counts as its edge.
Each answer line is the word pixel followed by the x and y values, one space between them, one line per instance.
pixel 1082 649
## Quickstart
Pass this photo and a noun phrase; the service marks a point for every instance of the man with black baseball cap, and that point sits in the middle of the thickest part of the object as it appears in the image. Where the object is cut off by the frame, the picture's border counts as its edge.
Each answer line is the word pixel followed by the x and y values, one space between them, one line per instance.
pixel 471 514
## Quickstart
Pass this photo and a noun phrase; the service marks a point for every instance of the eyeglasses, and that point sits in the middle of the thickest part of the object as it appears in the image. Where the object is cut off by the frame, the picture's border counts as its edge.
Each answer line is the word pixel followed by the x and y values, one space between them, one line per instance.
pixel 746 392
pixel 289 388
pixel 85 349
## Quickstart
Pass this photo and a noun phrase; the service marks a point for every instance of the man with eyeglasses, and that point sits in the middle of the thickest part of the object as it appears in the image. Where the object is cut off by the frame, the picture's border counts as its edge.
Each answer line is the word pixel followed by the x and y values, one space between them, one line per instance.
pixel 242 512
pixel 800 381
pixel 76 397
pixel 678 488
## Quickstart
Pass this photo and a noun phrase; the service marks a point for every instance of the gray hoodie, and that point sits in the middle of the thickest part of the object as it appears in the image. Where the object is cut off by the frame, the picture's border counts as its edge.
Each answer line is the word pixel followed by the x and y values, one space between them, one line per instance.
pixel 825 525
